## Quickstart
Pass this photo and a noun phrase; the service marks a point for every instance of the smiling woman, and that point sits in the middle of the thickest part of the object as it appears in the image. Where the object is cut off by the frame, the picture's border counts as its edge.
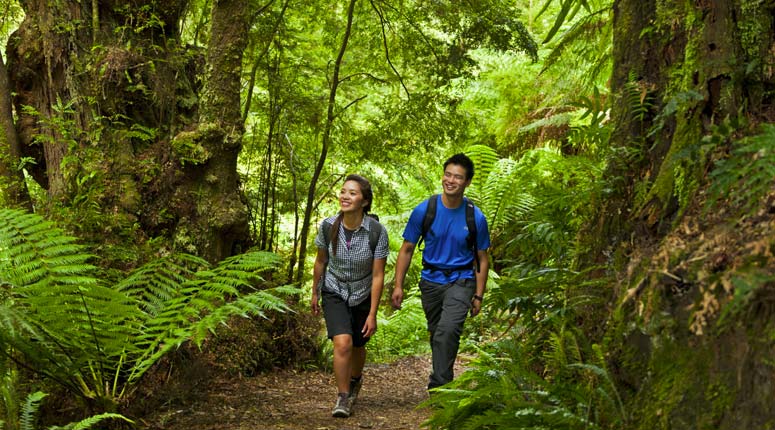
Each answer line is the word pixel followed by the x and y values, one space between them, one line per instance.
pixel 349 274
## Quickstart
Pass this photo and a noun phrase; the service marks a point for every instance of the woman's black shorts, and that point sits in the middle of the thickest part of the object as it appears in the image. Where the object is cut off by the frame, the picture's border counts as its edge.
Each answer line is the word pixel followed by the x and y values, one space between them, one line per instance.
pixel 343 319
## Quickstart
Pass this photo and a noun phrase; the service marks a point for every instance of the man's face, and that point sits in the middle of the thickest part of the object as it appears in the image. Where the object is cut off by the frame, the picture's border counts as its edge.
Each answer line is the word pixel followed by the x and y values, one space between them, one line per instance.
pixel 454 182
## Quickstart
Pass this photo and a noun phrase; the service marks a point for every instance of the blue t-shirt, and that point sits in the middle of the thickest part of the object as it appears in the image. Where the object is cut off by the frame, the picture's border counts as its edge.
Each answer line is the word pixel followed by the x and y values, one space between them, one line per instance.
pixel 445 243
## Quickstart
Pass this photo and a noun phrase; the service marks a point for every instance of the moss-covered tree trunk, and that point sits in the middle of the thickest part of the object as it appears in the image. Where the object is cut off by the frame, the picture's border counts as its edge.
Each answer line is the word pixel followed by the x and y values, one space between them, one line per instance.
pixel 220 217
pixel 134 133
pixel 681 69
pixel 11 177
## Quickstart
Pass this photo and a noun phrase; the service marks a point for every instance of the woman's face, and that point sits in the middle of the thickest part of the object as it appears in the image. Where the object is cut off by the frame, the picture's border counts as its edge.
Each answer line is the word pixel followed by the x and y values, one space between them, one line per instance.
pixel 351 198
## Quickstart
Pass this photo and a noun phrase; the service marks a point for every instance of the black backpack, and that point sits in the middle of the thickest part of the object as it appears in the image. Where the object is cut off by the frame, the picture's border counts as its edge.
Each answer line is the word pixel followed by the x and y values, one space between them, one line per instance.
pixel 430 215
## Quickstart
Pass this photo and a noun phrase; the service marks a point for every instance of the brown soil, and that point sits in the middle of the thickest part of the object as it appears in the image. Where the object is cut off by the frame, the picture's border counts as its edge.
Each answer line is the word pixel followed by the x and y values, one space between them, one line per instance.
pixel 302 400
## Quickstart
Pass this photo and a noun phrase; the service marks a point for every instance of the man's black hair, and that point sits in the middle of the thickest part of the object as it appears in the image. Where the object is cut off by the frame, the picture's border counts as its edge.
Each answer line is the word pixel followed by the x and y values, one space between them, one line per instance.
pixel 463 161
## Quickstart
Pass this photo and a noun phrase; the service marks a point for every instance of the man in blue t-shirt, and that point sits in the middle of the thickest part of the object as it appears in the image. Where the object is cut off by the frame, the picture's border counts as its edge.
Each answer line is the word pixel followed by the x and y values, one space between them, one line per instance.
pixel 451 285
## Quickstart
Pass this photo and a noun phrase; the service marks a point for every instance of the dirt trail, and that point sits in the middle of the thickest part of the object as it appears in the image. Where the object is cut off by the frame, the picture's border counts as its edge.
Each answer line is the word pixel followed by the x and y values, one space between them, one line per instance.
pixel 302 400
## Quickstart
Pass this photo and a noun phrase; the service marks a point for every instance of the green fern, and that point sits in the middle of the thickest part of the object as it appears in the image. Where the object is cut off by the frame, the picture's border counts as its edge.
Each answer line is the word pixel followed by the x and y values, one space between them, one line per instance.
pixel 639 98
pixel 404 332
pixel 28 419
pixel 9 397
pixel 99 341
pixel 57 314
pixel 543 375
pixel 90 422
pixel 747 175
pixel 30 410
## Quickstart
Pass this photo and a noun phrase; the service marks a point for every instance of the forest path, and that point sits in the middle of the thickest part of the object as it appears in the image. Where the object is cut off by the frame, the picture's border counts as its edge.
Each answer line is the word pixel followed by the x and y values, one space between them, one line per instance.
pixel 302 400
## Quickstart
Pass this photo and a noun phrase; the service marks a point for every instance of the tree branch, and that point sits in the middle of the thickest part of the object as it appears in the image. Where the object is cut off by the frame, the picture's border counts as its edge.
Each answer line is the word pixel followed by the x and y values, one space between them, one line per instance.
pixel 385 44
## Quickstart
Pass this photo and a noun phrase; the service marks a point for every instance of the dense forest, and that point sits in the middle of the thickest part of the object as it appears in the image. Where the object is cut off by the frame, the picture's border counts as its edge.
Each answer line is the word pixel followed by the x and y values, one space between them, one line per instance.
pixel 164 167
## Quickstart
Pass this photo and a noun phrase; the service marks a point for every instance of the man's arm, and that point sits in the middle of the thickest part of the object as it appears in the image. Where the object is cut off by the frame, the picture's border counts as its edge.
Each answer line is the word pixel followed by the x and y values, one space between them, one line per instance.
pixel 481 281
pixel 402 266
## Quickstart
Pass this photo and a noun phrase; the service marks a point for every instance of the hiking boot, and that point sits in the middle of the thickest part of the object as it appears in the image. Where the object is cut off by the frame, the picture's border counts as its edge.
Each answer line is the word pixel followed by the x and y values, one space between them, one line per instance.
pixel 343 406
pixel 355 388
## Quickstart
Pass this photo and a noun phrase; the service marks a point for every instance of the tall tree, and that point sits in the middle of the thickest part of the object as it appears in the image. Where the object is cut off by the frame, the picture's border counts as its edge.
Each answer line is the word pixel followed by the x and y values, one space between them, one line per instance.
pixel 693 66
pixel 331 115
pixel 124 136
pixel 690 79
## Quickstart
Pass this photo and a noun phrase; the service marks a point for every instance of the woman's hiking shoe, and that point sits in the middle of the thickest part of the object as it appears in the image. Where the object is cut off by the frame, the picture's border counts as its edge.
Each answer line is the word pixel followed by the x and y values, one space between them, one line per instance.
pixel 355 388
pixel 342 408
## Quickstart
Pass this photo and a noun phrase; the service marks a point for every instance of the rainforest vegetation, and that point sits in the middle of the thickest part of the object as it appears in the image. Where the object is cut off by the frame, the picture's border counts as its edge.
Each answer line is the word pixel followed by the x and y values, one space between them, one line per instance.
pixel 164 165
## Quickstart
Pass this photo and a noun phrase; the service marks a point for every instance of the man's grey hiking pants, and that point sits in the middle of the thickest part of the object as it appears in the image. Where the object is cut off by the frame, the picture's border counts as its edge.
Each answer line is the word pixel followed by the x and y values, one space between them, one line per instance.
pixel 446 307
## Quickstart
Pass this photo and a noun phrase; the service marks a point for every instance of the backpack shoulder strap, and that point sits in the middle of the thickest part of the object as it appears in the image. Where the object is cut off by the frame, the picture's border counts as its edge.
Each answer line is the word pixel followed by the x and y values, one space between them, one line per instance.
pixel 430 215
pixel 472 233
pixel 326 227
pixel 375 230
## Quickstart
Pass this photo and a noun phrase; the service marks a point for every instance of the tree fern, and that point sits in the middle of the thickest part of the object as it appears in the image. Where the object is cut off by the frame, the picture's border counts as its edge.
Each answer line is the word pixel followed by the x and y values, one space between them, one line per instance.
pixel 157 282
pixel 495 191
pixel 209 298
pixel 56 312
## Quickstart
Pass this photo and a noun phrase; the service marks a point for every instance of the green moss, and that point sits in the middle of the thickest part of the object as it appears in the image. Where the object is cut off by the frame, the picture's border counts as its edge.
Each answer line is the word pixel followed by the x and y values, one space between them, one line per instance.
pixel 720 398
pixel 190 146
pixel 674 395
pixel 184 240
pixel 751 25
pixel 230 212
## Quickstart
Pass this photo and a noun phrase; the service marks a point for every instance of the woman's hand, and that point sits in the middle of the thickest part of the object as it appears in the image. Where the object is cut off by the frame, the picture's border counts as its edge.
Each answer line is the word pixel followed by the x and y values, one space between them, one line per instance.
pixel 370 327
pixel 314 302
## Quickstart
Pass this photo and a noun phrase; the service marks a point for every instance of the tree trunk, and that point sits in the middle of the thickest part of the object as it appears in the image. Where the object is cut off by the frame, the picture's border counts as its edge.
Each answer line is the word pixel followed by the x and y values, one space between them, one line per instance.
pixel 11 176
pixel 219 220
pixel 680 69
pixel 689 73
pixel 125 142
pixel 330 118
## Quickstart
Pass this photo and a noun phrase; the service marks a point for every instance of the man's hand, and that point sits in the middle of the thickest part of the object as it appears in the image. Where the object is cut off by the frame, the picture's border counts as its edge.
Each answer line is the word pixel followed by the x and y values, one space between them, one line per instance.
pixel 402 266
pixel 476 305
pixel 397 298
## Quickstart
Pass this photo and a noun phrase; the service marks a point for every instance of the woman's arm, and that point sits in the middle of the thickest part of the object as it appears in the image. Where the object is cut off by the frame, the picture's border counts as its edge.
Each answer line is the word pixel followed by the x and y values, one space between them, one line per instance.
pixel 377 284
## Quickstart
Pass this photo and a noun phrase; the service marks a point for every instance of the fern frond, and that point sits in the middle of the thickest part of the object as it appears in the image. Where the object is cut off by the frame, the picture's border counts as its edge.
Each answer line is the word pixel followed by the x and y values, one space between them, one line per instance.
pixel 34 253
pixel 159 281
pixel 30 410
pixel 485 159
pixel 747 175
pixel 586 28
pixel 207 300
pixel 90 422
pixel 59 316
pixel 98 341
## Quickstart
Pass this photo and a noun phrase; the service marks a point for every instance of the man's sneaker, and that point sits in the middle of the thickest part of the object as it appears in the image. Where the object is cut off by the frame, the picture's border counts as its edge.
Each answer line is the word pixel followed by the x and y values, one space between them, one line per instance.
pixel 342 407
pixel 355 388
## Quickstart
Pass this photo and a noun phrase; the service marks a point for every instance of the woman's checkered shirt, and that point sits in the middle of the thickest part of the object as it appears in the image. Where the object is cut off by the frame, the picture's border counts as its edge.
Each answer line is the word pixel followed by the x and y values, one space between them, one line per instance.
pixel 349 271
